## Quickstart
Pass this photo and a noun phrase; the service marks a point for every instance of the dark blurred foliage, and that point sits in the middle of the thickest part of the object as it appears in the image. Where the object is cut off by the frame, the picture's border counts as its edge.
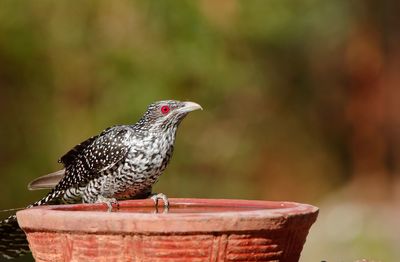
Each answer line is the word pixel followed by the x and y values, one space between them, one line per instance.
pixel 301 98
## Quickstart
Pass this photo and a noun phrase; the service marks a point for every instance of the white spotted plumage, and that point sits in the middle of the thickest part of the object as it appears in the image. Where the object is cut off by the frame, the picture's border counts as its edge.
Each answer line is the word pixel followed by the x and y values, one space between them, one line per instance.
pixel 123 161
pixel 135 174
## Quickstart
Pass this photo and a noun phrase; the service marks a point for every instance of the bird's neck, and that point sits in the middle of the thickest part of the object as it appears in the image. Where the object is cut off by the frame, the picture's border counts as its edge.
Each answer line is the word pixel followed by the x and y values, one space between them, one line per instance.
pixel 165 133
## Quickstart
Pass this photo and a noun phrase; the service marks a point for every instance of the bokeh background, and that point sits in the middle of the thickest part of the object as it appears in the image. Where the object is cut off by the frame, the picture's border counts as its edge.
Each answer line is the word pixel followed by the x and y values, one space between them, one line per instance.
pixel 301 102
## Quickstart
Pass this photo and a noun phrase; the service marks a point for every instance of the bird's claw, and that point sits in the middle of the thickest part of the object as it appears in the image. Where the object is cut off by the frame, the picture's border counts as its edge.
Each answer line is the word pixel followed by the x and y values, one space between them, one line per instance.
pixel 108 201
pixel 164 198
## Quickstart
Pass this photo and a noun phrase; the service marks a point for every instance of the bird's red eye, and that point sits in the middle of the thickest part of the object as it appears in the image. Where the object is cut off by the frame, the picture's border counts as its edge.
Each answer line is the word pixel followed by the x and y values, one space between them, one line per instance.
pixel 165 109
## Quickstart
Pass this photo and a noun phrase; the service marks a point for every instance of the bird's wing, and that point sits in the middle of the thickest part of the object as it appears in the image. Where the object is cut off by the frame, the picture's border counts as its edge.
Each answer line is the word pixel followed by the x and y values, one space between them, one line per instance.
pixel 47 181
pixel 72 154
pixel 51 180
pixel 86 160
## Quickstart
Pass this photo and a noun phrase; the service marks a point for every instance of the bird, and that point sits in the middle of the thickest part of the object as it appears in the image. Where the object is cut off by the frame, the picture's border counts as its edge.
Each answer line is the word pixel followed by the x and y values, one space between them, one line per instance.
pixel 122 162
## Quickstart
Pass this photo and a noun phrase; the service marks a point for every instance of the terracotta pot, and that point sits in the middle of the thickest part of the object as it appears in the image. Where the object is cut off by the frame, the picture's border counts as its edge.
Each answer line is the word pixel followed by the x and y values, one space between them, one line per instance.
pixel 192 230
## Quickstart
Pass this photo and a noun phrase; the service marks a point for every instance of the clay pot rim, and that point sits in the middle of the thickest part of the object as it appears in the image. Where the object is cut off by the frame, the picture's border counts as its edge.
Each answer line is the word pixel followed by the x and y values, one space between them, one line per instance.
pixel 72 218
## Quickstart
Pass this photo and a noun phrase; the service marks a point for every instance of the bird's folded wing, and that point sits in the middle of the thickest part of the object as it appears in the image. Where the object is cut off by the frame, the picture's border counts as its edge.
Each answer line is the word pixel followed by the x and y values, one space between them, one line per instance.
pixel 87 160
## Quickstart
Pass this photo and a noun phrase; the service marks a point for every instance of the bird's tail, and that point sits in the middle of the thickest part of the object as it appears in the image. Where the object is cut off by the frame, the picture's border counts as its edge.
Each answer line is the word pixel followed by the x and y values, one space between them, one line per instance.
pixel 13 241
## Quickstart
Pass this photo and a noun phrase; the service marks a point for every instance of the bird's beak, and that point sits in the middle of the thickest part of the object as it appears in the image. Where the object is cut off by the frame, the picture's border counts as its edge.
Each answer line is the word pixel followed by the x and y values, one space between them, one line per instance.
pixel 189 107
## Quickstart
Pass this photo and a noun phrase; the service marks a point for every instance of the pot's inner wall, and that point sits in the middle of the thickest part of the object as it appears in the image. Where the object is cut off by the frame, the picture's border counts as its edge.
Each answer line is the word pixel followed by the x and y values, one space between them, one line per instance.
pixel 178 207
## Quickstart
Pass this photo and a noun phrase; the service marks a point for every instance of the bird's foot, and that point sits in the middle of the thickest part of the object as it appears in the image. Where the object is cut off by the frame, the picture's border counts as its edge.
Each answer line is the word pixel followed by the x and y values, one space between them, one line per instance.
pixel 108 201
pixel 164 198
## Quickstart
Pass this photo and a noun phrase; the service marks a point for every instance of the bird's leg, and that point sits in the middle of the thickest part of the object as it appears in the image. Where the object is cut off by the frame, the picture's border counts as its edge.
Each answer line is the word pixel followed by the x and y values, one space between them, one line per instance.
pixel 155 197
pixel 108 201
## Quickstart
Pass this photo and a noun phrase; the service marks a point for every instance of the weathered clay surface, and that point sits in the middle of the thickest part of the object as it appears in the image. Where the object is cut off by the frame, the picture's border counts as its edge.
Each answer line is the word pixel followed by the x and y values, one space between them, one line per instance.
pixel 194 230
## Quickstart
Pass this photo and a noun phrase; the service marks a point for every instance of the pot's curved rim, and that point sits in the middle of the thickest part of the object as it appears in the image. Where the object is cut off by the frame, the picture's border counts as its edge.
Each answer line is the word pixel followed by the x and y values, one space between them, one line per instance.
pixel 245 215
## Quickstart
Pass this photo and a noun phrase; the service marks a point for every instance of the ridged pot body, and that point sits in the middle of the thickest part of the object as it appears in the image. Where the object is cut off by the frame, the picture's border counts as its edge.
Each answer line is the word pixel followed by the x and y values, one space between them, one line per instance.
pixel 192 230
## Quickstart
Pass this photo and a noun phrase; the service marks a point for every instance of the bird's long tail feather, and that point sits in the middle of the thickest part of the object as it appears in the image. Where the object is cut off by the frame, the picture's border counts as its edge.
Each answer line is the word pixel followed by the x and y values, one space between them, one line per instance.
pixel 13 241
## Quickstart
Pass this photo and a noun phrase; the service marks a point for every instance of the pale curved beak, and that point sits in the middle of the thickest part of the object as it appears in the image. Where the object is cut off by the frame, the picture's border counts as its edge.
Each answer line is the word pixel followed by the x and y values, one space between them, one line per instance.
pixel 189 107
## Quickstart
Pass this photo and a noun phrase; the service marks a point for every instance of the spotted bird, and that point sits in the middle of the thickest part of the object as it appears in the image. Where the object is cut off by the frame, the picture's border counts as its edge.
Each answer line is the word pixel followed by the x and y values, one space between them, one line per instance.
pixel 122 162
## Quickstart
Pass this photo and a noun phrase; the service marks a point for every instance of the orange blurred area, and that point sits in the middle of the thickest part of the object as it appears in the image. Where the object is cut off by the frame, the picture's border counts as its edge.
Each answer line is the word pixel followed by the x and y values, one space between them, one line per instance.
pixel 301 102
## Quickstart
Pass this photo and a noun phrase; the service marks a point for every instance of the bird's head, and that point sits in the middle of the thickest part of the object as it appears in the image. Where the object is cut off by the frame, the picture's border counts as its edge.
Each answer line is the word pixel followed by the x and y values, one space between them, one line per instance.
pixel 167 114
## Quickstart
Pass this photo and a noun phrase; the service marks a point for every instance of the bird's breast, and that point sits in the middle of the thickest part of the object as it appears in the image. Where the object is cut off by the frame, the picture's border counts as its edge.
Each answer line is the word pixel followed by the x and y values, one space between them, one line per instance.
pixel 149 155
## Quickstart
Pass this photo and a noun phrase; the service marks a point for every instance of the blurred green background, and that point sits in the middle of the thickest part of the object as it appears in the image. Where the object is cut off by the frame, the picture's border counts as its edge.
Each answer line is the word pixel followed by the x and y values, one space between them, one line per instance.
pixel 301 102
